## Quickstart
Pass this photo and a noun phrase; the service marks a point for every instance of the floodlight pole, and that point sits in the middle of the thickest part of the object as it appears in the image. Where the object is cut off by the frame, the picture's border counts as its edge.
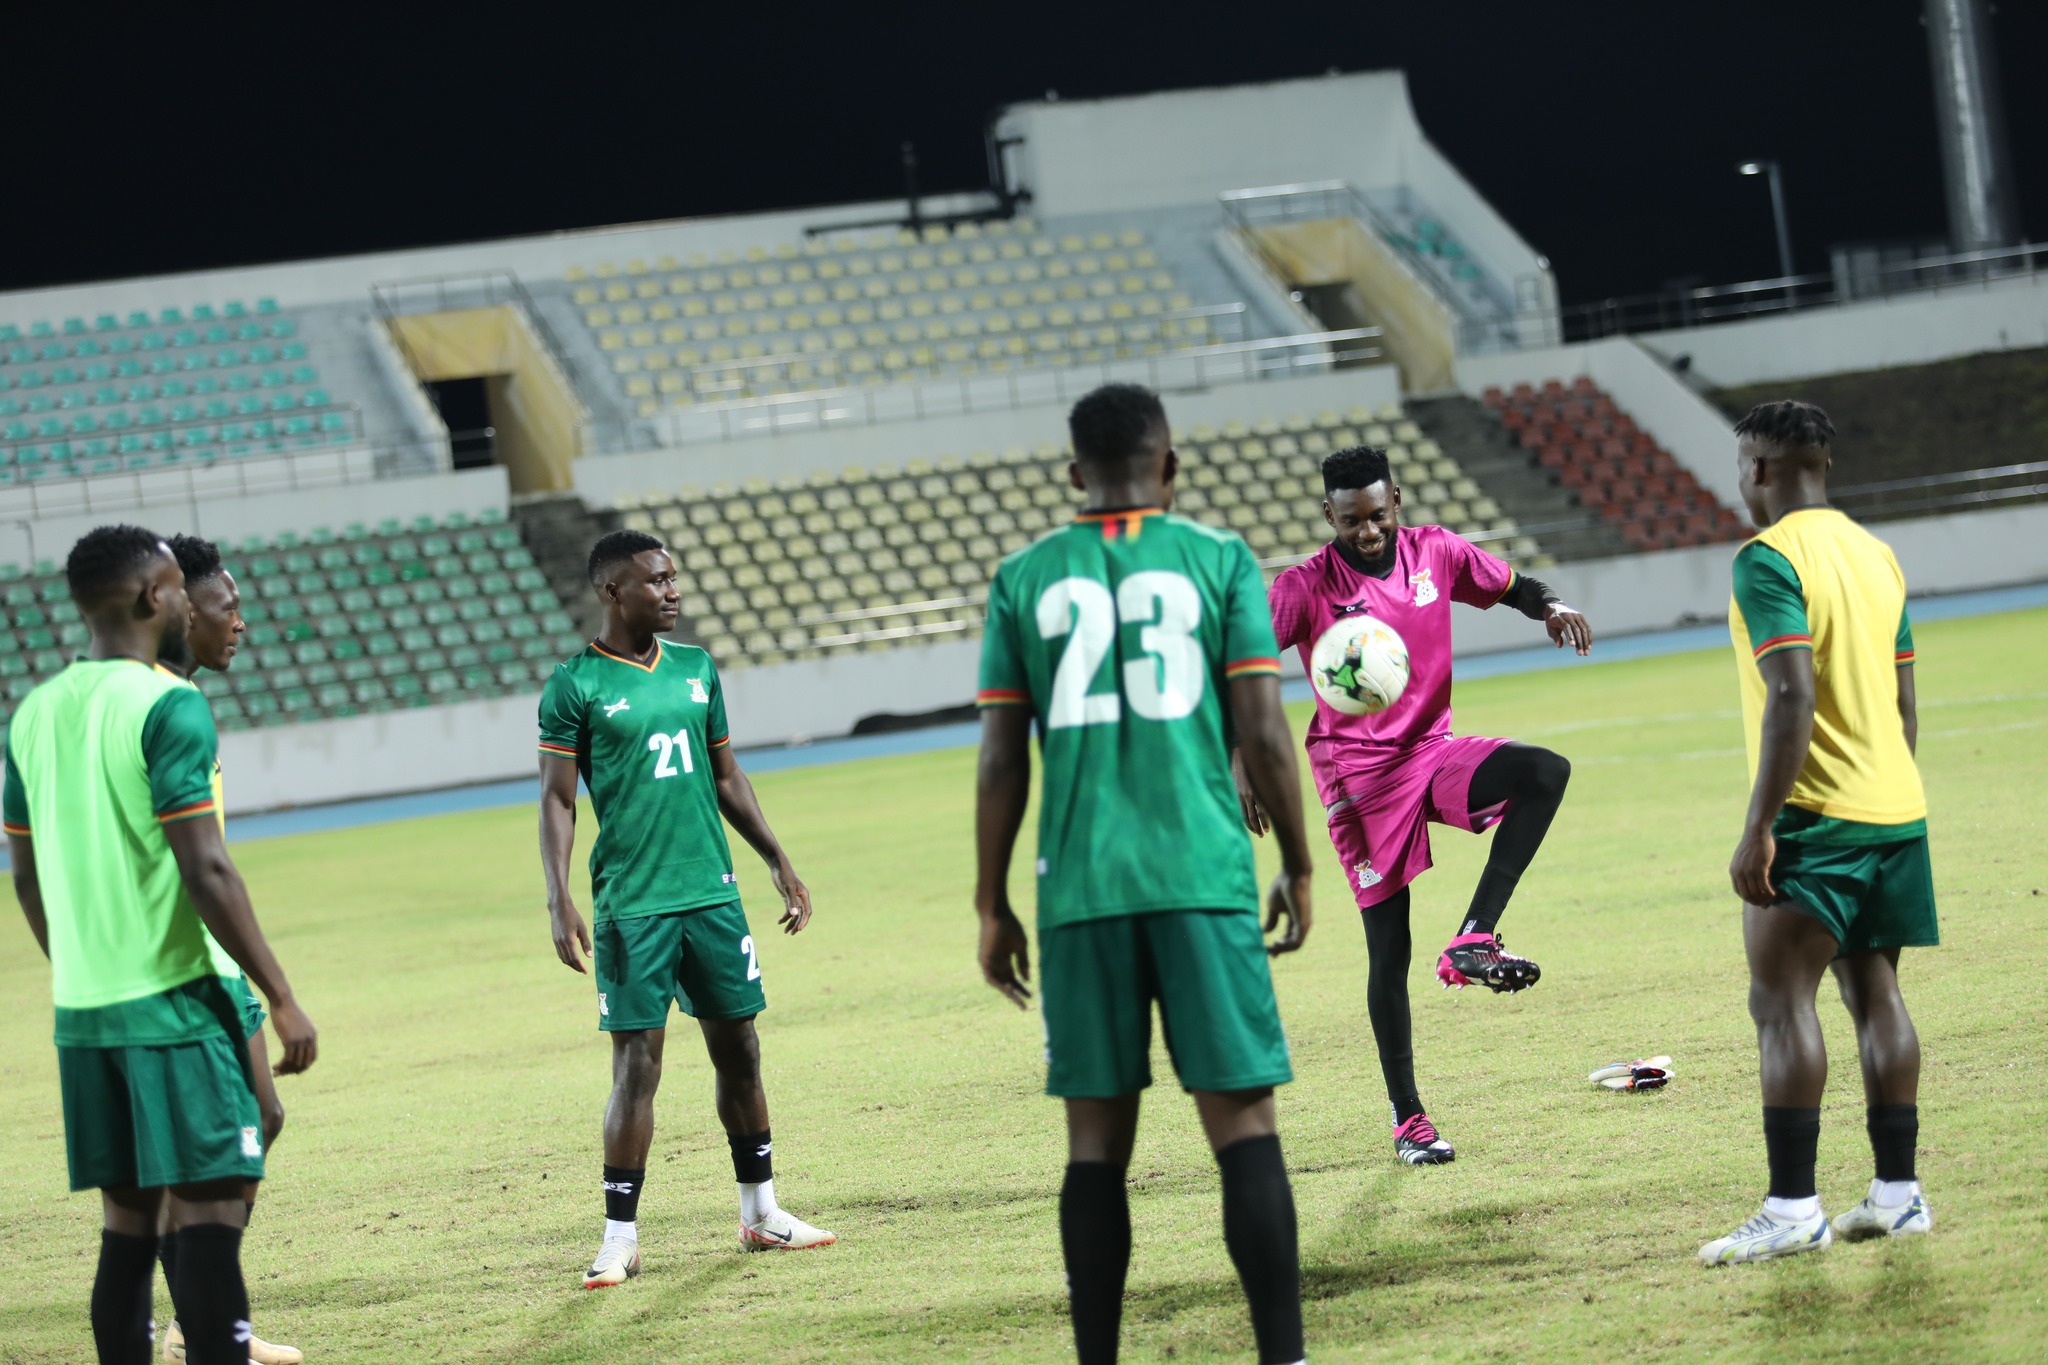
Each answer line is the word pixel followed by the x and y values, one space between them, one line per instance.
pixel 1770 168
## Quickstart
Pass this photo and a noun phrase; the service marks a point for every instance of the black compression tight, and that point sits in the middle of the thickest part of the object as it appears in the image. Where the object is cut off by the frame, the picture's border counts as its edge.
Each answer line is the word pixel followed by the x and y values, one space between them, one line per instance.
pixel 1532 782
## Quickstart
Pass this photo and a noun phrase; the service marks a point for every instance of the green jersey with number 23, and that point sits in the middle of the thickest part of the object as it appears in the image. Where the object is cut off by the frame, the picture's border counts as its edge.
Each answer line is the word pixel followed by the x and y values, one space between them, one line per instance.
pixel 642 736
pixel 1122 633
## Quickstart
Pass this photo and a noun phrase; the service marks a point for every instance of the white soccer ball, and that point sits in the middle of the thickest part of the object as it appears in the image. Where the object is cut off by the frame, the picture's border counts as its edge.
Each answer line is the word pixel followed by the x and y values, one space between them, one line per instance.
pixel 1360 666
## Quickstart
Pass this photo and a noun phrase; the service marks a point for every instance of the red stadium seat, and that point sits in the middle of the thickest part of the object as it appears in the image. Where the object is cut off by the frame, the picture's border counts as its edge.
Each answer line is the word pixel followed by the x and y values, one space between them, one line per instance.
pixel 1493 397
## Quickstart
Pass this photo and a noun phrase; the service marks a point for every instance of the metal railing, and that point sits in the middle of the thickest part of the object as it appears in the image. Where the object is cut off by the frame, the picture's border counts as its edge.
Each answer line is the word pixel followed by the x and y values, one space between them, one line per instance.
pixel 1958 491
pixel 1678 309
pixel 1195 367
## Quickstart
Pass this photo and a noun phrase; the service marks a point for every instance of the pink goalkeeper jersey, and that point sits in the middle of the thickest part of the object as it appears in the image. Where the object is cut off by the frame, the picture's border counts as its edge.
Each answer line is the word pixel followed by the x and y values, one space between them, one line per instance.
pixel 1432 569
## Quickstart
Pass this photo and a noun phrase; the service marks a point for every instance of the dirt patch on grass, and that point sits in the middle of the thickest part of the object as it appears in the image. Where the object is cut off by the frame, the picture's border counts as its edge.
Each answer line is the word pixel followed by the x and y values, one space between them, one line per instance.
pixel 1968 413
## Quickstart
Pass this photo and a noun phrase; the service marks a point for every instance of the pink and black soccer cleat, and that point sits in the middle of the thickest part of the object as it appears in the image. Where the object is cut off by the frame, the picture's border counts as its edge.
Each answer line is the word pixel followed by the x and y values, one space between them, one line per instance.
pixel 1417 1143
pixel 1481 959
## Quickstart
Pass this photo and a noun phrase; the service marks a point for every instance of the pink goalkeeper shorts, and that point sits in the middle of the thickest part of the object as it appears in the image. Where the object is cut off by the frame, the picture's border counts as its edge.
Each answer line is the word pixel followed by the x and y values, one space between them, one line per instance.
pixel 1381 826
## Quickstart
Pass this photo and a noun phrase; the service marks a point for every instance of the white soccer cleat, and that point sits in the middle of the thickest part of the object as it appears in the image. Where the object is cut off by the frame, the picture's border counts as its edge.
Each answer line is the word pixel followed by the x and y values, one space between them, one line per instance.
pixel 1647 1073
pixel 261 1352
pixel 1766 1236
pixel 781 1230
pixel 618 1260
pixel 1872 1219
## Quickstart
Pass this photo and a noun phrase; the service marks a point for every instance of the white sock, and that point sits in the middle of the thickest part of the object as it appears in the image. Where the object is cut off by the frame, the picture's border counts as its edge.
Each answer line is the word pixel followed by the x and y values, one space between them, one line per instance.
pixel 1793 1210
pixel 629 1231
pixel 757 1201
pixel 1893 1194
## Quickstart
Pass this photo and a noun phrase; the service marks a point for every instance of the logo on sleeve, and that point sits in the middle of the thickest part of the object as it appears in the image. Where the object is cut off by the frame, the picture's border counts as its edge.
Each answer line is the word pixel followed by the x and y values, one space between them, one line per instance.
pixel 620 705
pixel 1425 591
pixel 697 692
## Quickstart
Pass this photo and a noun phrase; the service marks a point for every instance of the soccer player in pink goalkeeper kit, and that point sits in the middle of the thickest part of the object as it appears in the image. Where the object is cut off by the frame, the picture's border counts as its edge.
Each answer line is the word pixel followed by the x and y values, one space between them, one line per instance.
pixel 1384 777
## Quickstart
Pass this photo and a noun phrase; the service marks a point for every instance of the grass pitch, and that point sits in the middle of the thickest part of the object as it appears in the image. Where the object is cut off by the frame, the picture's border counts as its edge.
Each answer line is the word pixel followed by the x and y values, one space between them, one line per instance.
pixel 434 1196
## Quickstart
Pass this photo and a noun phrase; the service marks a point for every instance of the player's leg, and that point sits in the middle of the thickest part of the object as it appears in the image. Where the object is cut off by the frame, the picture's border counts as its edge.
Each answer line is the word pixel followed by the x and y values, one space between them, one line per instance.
pixel 123 1319
pixel 1789 951
pixel 1095 1000
pixel 719 982
pixel 1889 1048
pixel 1095 1220
pixel 1222 1025
pixel 1526 785
pixel 1382 840
pixel 635 964
pixel 211 1297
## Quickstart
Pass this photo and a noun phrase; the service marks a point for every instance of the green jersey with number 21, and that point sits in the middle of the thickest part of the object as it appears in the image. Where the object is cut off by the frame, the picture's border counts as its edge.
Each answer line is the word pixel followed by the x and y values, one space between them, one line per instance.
pixel 642 736
pixel 1122 633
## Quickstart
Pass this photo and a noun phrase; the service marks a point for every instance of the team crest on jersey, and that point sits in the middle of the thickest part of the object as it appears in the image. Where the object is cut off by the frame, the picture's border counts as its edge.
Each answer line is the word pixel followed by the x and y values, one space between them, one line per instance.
pixel 697 692
pixel 1425 590
pixel 1366 876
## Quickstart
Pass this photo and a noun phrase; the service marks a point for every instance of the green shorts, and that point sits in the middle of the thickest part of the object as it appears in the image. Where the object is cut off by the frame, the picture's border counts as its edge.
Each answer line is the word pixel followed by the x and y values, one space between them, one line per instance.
pixel 253 1013
pixel 1208 971
pixel 704 960
pixel 148 1116
pixel 1867 895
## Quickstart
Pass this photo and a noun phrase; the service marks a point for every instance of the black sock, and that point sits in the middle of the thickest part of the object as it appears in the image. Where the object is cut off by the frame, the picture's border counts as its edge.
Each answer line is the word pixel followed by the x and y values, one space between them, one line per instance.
pixel 1258 1227
pixel 1894 1133
pixel 1095 1235
pixel 212 1300
pixel 167 1256
pixel 753 1157
pixel 1388 947
pixel 622 1193
pixel 1490 899
pixel 1791 1142
pixel 121 1299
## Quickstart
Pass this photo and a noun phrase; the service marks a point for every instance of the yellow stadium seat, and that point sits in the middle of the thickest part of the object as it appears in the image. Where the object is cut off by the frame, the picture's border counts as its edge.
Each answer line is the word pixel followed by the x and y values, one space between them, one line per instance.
pixel 618 293
pixel 575 273
pixel 586 296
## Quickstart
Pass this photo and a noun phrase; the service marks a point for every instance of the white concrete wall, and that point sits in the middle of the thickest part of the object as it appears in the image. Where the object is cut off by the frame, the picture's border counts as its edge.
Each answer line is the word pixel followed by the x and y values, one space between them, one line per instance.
pixel 482 741
pixel 600 478
pixel 1692 429
pixel 342 278
pixel 1907 329
pixel 1188 146
pixel 227 518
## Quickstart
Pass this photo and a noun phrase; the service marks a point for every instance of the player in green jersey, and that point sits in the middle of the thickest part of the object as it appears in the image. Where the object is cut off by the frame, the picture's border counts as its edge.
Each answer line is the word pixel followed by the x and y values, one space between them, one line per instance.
pixel 211 641
pixel 1140 645
pixel 642 721
pixel 121 872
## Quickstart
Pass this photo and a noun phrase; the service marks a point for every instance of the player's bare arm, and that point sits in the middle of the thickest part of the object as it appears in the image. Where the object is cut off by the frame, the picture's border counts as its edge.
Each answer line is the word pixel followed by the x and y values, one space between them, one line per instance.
pixel 742 810
pixel 21 851
pixel 1255 818
pixel 1001 790
pixel 1909 708
pixel 218 894
pixel 557 841
pixel 1787 731
pixel 1265 762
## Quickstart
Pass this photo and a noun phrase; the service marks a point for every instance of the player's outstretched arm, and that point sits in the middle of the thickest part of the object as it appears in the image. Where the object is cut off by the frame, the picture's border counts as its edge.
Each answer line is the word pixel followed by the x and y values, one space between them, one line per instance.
pixel 1536 600
pixel 1787 731
pixel 557 842
pixel 218 894
pixel 742 810
pixel 1002 787
pixel 1266 750
pixel 21 853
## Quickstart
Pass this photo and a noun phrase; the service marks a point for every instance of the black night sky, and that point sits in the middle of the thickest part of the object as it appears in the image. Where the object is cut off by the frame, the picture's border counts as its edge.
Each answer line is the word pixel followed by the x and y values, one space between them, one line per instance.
pixel 178 138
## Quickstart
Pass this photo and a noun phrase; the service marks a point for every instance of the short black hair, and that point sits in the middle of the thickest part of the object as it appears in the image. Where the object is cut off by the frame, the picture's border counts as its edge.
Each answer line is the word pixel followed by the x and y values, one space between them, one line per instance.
pixel 200 559
pixel 106 560
pixel 1356 467
pixel 1790 424
pixel 615 548
pixel 1117 422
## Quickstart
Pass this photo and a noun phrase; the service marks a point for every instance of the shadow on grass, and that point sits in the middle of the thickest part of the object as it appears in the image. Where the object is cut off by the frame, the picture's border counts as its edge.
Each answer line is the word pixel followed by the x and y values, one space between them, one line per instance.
pixel 1892 1293
pixel 661 1295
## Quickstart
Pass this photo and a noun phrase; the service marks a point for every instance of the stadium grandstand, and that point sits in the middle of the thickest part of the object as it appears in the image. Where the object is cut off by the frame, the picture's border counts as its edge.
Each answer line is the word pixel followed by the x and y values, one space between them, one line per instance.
pixel 843 418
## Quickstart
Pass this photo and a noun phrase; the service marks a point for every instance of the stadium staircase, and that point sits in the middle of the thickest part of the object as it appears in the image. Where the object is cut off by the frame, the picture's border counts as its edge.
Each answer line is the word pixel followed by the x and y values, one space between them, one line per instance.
pixel 559 529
